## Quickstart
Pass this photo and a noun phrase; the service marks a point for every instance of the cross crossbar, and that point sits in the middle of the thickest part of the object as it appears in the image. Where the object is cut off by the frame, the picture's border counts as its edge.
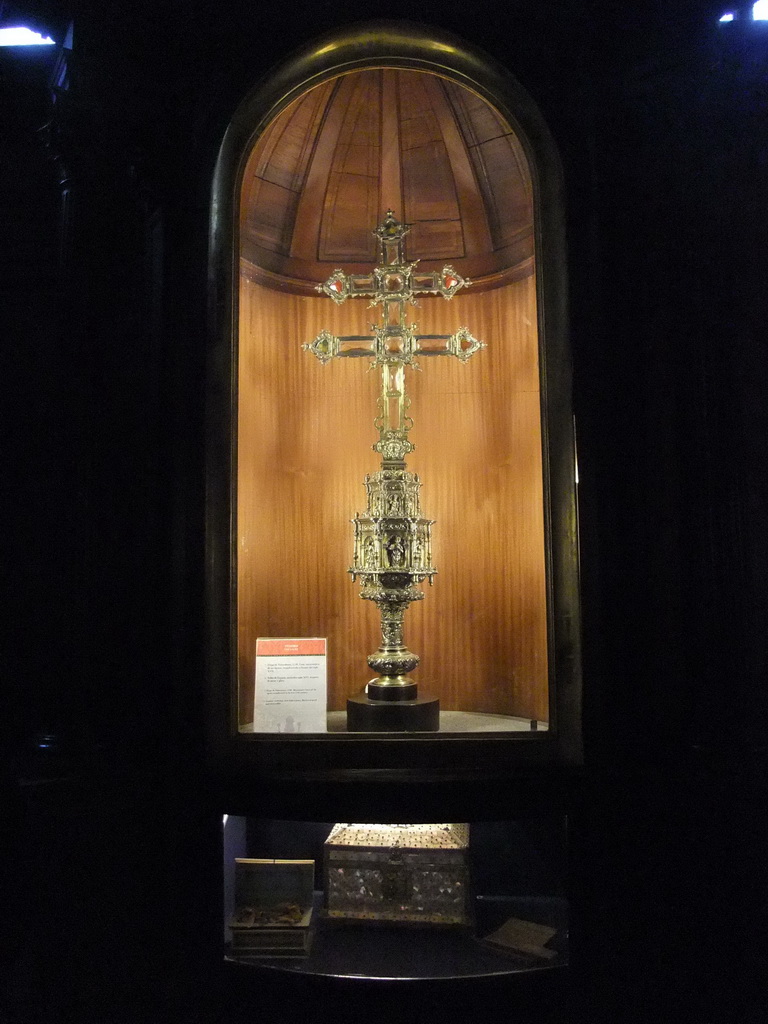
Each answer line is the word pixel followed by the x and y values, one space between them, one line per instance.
pixel 393 285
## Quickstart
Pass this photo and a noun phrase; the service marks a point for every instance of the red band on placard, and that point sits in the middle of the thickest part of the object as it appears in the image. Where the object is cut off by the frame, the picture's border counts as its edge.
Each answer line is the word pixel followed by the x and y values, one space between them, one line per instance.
pixel 269 648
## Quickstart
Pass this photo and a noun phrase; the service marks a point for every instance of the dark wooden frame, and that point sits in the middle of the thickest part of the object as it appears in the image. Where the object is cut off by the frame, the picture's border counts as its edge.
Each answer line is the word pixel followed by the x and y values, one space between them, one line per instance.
pixel 325 757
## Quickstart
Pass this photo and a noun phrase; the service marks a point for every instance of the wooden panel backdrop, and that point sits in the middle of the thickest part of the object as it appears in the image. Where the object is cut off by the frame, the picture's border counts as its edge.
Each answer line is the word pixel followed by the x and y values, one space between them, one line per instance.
pixel 305 436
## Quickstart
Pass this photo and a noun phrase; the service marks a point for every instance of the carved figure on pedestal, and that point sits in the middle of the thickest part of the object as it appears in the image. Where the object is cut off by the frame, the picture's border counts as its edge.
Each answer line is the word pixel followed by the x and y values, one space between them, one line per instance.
pixel 395 504
pixel 369 558
pixel 418 553
pixel 396 551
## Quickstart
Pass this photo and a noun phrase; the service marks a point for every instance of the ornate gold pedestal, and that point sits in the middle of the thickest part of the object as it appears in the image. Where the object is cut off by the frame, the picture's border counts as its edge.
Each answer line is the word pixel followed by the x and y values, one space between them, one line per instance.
pixel 393 554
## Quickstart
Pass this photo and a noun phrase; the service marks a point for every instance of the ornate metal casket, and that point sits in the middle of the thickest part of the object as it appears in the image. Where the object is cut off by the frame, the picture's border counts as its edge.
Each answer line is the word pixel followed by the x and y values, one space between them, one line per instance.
pixel 399 874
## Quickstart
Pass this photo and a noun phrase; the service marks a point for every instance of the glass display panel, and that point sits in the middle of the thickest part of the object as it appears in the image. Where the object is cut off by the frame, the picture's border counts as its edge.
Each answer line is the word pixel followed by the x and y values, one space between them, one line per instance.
pixel 316 191
pixel 426 900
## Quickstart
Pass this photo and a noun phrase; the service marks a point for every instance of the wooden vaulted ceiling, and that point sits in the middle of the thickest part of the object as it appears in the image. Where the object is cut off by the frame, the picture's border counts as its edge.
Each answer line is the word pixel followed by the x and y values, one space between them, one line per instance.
pixel 327 168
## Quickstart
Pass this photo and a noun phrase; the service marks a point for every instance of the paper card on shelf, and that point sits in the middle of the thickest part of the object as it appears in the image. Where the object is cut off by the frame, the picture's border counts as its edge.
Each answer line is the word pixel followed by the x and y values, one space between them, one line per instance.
pixel 291 694
pixel 524 937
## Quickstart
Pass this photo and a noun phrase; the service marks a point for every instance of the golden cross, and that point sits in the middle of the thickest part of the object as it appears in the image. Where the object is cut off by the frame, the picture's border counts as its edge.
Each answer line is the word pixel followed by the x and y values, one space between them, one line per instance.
pixel 393 284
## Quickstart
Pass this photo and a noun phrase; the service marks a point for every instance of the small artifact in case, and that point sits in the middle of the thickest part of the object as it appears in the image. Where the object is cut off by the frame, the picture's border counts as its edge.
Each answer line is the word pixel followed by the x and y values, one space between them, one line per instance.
pixel 273 907
pixel 398 874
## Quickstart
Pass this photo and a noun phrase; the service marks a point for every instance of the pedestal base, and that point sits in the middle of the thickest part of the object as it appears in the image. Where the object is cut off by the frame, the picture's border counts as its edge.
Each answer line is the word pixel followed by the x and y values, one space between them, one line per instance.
pixel 419 715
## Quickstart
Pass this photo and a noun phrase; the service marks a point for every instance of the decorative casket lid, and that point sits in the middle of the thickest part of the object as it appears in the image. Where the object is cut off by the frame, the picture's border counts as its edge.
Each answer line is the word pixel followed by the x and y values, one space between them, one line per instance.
pixel 439 836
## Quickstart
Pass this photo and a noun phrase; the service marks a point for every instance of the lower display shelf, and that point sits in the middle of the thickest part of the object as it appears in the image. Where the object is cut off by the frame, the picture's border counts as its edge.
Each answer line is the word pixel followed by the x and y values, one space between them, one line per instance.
pixel 462 722
pixel 509 935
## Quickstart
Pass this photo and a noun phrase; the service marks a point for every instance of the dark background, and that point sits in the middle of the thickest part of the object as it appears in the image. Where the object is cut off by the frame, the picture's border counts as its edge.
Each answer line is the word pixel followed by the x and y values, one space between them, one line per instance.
pixel 111 891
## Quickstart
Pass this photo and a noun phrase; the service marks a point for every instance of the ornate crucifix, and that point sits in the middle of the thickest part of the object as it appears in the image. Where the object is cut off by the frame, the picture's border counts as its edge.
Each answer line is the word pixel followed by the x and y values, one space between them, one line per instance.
pixel 393 542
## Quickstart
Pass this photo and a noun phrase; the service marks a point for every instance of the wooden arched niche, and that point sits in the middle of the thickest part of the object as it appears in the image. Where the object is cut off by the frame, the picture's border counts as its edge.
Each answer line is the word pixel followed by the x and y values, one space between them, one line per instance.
pixel 386 119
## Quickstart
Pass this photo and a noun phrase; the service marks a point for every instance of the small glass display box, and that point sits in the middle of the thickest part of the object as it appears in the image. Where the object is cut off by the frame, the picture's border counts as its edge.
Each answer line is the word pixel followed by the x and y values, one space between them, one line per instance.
pixel 392 533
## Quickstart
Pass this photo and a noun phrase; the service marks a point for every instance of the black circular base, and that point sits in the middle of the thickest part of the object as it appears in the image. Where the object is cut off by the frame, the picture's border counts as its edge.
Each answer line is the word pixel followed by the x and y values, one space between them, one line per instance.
pixel 419 715
pixel 405 691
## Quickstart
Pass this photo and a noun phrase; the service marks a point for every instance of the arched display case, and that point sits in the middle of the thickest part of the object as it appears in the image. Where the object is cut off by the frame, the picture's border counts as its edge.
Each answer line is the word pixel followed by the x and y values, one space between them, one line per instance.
pixel 393 163
pixel 383 116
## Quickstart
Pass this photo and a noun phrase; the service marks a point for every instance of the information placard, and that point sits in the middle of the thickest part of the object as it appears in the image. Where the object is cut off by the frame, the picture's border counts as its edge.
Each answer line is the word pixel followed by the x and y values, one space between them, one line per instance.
pixel 291 685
